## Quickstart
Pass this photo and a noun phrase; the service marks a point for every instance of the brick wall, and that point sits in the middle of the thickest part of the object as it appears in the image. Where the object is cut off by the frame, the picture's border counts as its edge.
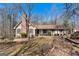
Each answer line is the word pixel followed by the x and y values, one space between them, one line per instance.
pixel 23 24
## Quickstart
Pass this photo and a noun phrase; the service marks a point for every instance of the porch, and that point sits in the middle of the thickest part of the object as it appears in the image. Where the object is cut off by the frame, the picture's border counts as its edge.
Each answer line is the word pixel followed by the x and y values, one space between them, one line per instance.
pixel 50 32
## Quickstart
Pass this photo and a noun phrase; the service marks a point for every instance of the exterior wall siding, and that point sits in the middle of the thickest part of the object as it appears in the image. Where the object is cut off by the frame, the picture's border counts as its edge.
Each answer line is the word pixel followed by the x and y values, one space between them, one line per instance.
pixel 18 34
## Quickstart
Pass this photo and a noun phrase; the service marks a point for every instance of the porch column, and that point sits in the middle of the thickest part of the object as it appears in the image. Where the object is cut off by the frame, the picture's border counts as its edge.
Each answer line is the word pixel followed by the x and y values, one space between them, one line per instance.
pixel 34 32
pixel 41 32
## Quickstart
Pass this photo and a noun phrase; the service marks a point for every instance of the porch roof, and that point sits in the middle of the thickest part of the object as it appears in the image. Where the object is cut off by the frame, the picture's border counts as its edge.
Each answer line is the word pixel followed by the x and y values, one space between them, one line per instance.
pixel 48 26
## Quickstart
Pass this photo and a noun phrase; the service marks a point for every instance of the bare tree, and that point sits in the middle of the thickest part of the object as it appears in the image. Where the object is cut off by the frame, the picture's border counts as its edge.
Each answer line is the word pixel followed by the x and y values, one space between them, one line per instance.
pixel 9 15
pixel 29 8
pixel 71 12
pixel 54 14
pixel 2 20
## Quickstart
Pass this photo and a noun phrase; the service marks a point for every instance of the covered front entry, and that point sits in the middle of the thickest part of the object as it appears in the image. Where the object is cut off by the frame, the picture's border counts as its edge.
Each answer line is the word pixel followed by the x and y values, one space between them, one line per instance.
pixel 50 32
pixel 41 32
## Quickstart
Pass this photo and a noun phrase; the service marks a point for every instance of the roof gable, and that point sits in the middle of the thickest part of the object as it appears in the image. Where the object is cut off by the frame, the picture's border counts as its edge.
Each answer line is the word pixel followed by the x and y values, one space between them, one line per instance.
pixel 17 24
pixel 22 16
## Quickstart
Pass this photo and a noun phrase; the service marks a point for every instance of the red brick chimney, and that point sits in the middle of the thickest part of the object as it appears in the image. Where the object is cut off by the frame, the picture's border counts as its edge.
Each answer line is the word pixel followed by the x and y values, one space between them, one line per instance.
pixel 23 24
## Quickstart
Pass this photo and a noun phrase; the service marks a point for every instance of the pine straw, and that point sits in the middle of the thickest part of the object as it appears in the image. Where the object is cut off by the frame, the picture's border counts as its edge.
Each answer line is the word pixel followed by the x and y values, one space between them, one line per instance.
pixel 41 46
pixel 37 46
pixel 44 46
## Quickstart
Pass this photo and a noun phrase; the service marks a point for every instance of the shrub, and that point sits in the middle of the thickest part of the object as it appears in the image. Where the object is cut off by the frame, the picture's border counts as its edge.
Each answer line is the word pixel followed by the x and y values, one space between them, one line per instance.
pixel 75 35
pixel 49 33
pixel 23 35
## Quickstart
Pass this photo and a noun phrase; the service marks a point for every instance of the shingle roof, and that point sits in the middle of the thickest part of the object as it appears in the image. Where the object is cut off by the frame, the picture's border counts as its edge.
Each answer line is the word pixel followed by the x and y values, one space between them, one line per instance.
pixel 48 26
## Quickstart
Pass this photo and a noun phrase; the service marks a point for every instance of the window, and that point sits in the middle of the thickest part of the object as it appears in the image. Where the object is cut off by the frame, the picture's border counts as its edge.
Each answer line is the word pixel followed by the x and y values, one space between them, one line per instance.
pixel 30 30
pixel 18 30
pixel 44 31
